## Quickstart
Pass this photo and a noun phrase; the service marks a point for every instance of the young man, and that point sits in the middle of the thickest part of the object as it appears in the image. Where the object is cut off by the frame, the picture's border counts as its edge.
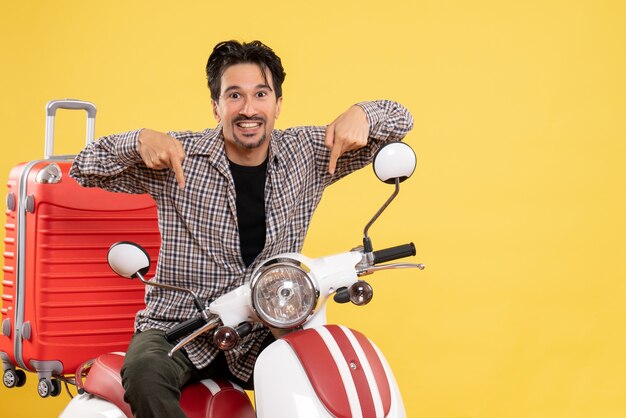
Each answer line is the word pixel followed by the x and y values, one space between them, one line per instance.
pixel 227 198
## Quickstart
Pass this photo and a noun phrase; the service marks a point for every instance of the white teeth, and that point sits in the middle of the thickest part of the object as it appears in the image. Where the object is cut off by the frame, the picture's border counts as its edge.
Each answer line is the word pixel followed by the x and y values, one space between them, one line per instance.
pixel 248 124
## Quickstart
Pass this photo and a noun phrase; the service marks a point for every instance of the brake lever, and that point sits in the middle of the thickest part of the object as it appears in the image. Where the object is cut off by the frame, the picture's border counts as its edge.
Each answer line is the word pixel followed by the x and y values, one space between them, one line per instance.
pixel 393 266
pixel 213 323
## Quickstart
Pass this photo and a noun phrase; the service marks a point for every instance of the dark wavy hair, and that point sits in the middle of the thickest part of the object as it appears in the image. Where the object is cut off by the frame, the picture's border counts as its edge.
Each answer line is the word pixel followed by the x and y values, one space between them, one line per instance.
pixel 230 53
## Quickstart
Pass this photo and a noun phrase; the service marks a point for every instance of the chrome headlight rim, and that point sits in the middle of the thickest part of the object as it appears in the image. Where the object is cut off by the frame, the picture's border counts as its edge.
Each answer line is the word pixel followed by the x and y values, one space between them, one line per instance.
pixel 273 264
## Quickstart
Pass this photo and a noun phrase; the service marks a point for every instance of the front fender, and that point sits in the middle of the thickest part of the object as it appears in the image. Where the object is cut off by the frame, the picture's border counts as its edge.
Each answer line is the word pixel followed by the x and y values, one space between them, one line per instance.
pixel 327 371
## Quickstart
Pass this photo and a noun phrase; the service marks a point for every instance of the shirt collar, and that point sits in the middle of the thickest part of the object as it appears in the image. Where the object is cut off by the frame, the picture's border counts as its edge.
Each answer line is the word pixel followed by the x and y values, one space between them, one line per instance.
pixel 211 144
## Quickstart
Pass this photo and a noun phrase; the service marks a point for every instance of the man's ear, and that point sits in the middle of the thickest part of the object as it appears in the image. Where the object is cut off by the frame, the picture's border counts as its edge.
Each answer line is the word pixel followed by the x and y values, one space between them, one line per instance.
pixel 279 103
pixel 216 114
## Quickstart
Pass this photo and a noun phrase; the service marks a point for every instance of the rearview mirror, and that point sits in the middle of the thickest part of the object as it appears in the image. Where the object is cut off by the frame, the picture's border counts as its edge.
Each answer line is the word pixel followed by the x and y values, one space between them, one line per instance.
pixel 393 163
pixel 395 160
pixel 128 260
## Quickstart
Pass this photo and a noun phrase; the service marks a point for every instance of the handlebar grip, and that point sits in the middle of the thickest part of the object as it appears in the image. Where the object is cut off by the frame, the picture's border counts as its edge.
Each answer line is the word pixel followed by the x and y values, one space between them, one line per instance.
pixel 184 328
pixel 393 253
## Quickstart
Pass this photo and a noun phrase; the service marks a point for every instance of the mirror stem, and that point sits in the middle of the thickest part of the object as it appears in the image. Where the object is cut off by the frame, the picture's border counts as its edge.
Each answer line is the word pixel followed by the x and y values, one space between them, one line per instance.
pixel 367 242
pixel 196 299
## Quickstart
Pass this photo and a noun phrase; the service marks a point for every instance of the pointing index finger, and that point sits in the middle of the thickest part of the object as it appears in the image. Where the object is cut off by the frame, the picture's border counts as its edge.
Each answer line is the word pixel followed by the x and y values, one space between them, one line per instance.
pixel 335 153
pixel 178 171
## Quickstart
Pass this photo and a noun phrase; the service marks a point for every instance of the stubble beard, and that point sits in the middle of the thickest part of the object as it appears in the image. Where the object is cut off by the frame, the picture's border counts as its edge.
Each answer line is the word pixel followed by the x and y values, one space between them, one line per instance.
pixel 248 145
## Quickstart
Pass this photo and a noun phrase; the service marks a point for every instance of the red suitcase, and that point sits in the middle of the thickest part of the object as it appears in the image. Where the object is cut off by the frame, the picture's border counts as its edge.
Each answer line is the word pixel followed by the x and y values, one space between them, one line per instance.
pixel 61 304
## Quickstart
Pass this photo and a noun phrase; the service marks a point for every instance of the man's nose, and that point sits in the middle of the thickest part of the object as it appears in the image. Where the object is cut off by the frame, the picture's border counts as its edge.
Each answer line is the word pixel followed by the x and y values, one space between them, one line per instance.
pixel 248 108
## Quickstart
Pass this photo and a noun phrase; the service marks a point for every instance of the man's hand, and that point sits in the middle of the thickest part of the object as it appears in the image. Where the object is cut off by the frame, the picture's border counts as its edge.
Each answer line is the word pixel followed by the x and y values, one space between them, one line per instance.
pixel 348 132
pixel 159 151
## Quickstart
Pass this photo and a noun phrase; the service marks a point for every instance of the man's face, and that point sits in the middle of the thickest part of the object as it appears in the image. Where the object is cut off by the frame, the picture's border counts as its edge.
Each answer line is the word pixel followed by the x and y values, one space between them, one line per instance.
pixel 247 109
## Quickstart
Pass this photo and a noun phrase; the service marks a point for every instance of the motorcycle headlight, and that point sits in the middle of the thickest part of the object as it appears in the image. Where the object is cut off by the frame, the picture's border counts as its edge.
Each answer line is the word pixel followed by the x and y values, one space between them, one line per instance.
pixel 283 294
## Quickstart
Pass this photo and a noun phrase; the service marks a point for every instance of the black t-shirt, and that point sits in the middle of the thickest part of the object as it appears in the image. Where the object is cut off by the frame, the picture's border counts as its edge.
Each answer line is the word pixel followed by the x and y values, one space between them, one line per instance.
pixel 250 189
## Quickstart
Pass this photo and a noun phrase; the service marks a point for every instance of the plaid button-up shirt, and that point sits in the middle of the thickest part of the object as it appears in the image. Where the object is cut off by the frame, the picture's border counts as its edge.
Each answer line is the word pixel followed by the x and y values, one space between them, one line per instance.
pixel 200 247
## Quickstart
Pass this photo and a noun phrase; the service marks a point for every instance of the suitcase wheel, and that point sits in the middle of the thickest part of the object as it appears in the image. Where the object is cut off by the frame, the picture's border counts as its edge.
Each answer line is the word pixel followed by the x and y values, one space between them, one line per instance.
pixel 49 387
pixel 14 378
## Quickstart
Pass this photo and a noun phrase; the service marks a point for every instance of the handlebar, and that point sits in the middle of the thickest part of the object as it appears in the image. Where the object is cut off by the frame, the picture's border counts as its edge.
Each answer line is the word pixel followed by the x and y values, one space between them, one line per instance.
pixel 195 324
pixel 184 328
pixel 394 253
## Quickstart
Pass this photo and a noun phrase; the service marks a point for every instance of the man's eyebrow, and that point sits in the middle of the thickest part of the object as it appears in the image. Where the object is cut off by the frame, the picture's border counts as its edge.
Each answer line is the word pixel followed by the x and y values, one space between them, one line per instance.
pixel 258 86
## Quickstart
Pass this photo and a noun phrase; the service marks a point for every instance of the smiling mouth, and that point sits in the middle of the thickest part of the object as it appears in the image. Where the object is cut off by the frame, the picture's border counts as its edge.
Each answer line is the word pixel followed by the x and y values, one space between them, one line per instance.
pixel 248 125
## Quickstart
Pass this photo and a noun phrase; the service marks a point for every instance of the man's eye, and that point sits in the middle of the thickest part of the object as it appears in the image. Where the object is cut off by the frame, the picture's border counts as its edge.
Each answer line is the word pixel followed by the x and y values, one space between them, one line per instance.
pixel 234 95
pixel 261 94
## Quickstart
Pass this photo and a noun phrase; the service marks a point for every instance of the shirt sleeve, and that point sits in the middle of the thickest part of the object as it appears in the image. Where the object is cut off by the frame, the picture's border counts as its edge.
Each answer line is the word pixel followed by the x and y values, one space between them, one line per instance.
pixel 113 163
pixel 388 120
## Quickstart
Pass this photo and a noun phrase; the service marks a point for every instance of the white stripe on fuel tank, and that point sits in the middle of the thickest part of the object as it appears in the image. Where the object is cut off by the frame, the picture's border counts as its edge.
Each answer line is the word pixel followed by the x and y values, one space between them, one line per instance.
pixel 211 386
pixel 239 388
pixel 367 369
pixel 344 371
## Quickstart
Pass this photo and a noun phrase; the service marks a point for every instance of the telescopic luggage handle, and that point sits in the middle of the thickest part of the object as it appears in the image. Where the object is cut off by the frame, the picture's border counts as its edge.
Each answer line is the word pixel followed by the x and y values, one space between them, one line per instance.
pixel 72 104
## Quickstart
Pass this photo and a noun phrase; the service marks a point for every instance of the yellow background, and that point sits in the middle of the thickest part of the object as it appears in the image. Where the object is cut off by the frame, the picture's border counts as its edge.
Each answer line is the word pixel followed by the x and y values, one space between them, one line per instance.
pixel 517 207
